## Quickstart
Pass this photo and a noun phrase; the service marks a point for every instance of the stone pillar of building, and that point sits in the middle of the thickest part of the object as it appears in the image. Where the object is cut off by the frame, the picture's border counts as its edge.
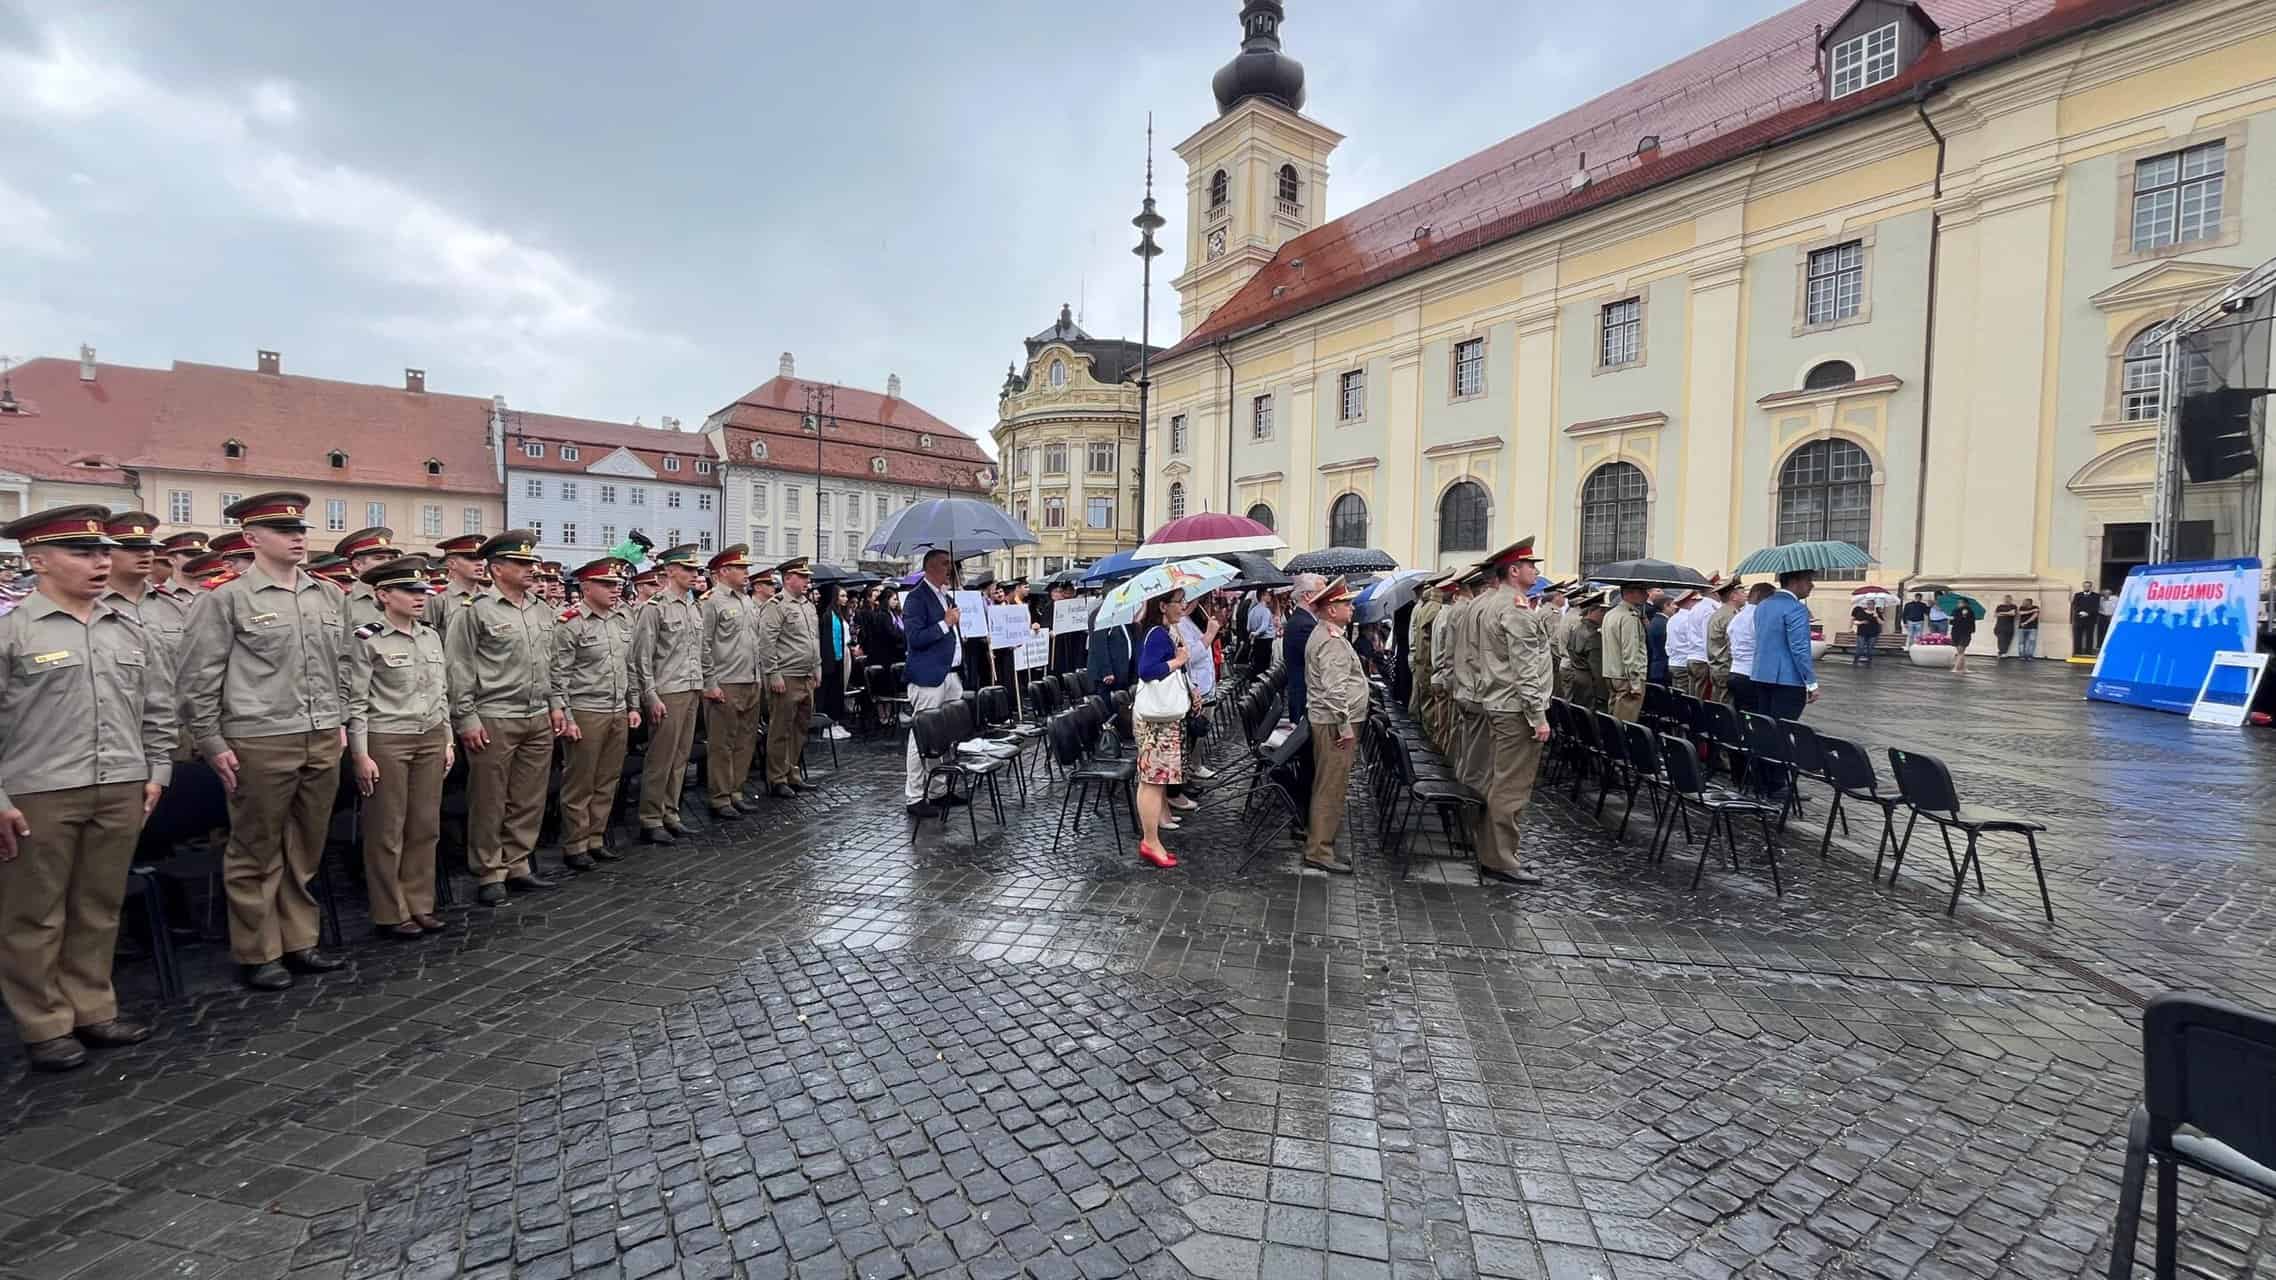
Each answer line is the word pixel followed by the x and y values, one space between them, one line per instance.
pixel 1711 437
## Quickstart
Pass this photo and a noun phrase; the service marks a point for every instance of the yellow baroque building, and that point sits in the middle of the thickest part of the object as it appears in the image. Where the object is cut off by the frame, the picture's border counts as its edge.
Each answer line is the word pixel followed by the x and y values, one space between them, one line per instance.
pixel 1868 270
pixel 1066 448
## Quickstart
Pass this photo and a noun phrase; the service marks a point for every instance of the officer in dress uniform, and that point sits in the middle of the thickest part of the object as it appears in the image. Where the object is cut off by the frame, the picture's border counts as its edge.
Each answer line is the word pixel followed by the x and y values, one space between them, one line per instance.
pixel 1584 652
pixel 1514 637
pixel 1427 608
pixel 1470 740
pixel 358 554
pixel 500 656
pixel 790 653
pixel 592 680
pixel 134 555
pixel 332 569
pixel 1627 662
pixel 261 685
pixel 731 688
pixel 399 738
pixel 86 731
pixel 667 674
pixel 1335 704
pixel 468 578
pixel 175 552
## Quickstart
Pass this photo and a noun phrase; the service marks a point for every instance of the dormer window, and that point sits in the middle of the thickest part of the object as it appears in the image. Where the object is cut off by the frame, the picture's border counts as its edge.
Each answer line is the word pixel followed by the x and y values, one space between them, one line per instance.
pixel 703 466
pixel 434 466
pixel 337 460
pixel 1863 61
pixel 532 449
pixel 233 449
pixel 570 453
pixel 1058 373
pixel 671 463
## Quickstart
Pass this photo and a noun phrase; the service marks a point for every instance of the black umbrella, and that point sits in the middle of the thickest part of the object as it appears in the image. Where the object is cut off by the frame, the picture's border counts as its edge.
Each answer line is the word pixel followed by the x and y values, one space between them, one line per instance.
pixel 1330 561
pixel 821 572
pixel 1065 578
pixel 1650 573
pixel 1256 571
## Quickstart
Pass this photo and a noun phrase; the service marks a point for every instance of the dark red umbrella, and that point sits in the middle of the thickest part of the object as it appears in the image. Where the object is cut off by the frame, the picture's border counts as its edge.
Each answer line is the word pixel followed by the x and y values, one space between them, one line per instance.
pixel 1211 533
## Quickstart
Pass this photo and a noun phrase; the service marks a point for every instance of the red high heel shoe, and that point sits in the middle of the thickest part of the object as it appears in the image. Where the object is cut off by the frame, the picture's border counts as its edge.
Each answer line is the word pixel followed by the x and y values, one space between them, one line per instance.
pixel 1158 856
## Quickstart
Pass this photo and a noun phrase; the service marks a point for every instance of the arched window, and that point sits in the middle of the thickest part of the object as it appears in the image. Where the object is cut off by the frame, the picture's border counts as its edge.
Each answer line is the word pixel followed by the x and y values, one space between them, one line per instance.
pixel 1262 514
pixel 2141 388
pixel 1220 190
pixel 1833 373
pixel 1347 522
pixel 1614 500
pixel 1289 190
pixel 1058 373
pixel 1177 499
pixel 1462 515
pixel 1825 493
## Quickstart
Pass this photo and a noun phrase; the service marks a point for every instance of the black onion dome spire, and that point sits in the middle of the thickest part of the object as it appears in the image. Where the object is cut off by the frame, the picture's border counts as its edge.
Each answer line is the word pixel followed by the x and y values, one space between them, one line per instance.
pixel 1260 70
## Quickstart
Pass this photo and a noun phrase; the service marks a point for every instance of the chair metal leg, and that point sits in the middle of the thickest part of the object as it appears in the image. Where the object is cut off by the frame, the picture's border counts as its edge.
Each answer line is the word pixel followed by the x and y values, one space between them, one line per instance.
pixel 1699 868
pixel 2128 1225
pixel 1058 829
pixel 2168 1223
pixel 1960 875
pixel 1902 845
pixel 1826 842
pixel 1770 850
pixel 2046 903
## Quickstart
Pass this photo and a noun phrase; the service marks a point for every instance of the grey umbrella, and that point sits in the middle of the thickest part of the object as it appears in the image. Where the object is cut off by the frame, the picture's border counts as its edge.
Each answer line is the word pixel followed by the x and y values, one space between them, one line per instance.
pixel 1331 561
pixel 956 525
pixel 1256 570
pixel 1650 573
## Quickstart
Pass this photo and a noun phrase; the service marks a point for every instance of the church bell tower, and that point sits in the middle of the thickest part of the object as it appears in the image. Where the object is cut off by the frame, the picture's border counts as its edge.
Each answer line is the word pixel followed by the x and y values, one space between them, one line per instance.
pixel 1257 175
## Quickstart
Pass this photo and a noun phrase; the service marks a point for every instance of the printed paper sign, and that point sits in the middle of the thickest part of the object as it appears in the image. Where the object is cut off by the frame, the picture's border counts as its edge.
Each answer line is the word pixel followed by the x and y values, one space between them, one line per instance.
pixel 1007 626
pixel 1068 616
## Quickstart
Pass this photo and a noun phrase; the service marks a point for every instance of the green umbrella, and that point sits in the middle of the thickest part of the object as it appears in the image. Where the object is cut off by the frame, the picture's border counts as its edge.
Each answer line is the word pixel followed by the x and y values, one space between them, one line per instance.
pixel 1805 557
pixel 1953 602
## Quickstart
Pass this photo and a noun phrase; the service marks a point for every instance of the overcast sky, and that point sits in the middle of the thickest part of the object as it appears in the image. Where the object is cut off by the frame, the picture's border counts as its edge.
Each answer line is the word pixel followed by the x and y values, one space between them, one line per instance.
pixel 618 210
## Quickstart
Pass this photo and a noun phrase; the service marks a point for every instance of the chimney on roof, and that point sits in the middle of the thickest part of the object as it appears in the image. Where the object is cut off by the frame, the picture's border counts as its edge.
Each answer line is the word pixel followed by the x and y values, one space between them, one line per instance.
pixel 268 362
pixel 789 366
pixel 670 423
pixel 86 363
pixel 893 386
pixel 415 380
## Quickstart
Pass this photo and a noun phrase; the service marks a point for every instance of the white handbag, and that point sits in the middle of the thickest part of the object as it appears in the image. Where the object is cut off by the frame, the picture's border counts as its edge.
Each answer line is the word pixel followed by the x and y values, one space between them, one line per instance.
pixel 1165 699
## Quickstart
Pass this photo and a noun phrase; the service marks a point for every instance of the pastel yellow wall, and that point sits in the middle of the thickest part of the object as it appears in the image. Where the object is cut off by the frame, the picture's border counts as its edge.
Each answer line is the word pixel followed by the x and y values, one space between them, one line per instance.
pixel 404 506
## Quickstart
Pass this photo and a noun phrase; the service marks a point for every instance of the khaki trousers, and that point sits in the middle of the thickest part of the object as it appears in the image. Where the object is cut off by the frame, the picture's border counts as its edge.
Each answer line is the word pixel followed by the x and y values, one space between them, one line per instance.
pixel 732 730
pixel 286 786
pixel 1331 784
pixel 505 804
pixel 1628 701
pixel 789 713
pixel 589 779
pixel 59 906
pixel 402 819
pixel 666 769
pixel 1512 761
pixel 1697 682
pixel 1473 746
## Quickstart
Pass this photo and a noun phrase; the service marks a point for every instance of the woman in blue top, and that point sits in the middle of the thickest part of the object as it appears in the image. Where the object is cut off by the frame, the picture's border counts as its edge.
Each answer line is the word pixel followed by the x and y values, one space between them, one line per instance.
pixel 832 637
pixel 1161 743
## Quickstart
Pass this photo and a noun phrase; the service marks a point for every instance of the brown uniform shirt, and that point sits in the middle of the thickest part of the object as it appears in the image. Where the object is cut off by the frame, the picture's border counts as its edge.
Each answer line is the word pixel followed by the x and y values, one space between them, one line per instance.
pixel 667 645
pixel 261 659
pixel 788 645
pixel 1513 657
pixel 592 655
pixel 81 704
pixel 500 657
pixel 1335 688
pixel 397 682
pixel 730 640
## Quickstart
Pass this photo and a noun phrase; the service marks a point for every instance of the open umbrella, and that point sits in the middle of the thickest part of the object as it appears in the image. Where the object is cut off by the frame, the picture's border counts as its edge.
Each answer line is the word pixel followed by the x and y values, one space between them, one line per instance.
pixel 823 573
pixel 1210 533
pixel 1805 557
pixel 1194 577
pixel 1332 561
pixel 1389 595
pixel 1650 573
pixel 1115 567
pixel 1873 596
pixel 1064 578
pixel 961 526
pixel 1256 571
pixel 1953 602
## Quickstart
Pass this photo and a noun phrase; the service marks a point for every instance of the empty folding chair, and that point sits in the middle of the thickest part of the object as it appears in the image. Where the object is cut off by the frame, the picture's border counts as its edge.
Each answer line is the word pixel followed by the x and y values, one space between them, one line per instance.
pixel 1927 788
pixel 1688 789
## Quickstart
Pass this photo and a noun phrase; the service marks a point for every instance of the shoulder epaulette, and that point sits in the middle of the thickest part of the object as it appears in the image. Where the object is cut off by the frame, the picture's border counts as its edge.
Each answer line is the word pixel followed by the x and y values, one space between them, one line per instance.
pixel 368 630
pixel 569 614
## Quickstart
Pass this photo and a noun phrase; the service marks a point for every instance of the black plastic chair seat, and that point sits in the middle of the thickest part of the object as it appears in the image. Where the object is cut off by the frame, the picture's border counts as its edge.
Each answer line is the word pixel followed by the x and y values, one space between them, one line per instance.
pixel 1983 820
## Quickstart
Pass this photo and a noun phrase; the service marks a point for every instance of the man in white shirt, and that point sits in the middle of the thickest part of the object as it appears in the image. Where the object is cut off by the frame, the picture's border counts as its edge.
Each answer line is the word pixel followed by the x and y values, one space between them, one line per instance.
pixel 1687 645
pixel 1739 694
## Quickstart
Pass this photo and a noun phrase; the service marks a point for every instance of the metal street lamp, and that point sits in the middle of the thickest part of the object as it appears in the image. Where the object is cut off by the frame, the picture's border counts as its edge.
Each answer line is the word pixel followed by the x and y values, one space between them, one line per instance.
pixel 1147 222
pixel 820 402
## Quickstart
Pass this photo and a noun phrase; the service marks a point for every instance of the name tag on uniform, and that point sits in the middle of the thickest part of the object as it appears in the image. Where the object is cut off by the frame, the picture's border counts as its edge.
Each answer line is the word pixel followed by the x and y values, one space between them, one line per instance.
pixel 727 613
pixel 399 659
pixel 51 658
pixel 501 630
pixel 262 620
pixel 129 658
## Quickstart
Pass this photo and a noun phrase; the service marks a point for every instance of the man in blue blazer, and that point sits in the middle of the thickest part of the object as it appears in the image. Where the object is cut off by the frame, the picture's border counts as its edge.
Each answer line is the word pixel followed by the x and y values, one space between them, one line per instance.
pixel 1785 680
pixel 929 621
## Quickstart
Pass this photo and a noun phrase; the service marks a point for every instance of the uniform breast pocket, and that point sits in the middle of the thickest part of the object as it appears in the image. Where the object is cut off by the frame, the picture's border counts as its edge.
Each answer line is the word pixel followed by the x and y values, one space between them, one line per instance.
pixel 263 633
pixel 32 666
pixel 590 642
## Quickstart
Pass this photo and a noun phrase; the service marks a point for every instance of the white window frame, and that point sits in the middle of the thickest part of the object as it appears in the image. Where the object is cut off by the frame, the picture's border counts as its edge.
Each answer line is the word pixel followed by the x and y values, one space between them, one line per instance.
pixel 569 533
pixel 571 453
pixel 1260 417
pixel 1469 368
pixel 637 497
pixel 2178 197
pixel 375 515
pixel 671 462
pixel 1055 458
pixel 1098 511
pixel 1863 61
pixel 178 506
pixel 1351 395
pixel 703 466
pixel 672 499
pixel 608 495
pixel 758 498
pixel 1620 333
pixel 469 520
pixel 430 520
pixel 608 535
pixel 335 513
pixel 703 502
pixel 568 491
pixel 533 488
pixel 532 449
pixel 1833 287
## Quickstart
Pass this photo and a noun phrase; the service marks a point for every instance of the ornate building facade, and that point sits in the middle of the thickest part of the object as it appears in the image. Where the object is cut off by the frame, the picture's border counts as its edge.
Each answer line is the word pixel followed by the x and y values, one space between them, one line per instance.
pixel 1067 447
pixel 1868 270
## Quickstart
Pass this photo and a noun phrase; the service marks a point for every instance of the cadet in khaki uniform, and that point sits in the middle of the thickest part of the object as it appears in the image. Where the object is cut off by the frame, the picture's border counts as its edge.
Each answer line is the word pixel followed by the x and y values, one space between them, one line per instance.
pixel 592 680
pixel 359 553
pixel 1335 703
pixel 259 680
pixel 1418 650
pixel 86 728
pixel 174 554
pixel 399 737
pixel 468 578
pixel 1470 739
pixel 1584 653
pixel 133 558
pixel 731 689
pixel 667 676
pixel 1438 719
pixel 790 654
pixel 1726 593
pixel 1513 691
pixel 500 655
pixel 1626 662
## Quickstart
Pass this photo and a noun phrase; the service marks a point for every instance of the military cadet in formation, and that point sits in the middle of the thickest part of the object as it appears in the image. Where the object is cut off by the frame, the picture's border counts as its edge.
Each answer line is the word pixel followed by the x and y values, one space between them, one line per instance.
pixel 261 685
pixel 467 578
pixel 1471 741
pixel 1583 640
pixel 500 652
pixel 1726 594
pixel 134 556
pixel 1514 638
pixel 235 547
pixel 1627 662
pixel 1335 704
pixel 1438 722
pixel 356 555
pixel 789 652
pixel 1427 606
pixel 86 735
pixel 592 681
pixel 174 556
pixel 667 674
pixel 399 737
pixel 731 688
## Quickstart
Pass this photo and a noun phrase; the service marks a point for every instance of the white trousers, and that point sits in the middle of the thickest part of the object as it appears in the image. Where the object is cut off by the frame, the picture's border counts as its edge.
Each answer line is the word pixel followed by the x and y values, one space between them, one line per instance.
pixel 922 698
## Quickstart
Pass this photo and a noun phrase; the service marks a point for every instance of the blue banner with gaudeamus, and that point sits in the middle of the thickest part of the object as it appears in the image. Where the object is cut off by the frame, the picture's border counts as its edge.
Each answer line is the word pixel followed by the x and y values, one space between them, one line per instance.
pixel 2171 620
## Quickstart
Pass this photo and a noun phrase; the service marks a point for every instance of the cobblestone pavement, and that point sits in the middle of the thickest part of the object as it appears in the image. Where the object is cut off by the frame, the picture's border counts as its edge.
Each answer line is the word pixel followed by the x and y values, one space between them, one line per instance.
pixel 802 1045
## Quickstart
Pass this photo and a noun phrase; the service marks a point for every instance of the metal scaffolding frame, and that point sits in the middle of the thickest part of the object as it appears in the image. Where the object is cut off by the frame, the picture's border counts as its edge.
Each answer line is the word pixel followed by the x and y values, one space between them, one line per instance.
pixel 2241 294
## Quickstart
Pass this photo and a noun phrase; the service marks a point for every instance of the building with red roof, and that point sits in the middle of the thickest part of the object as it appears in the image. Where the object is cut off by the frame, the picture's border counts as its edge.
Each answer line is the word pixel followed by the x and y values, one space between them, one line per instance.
pixel 585 486
pixel 64 426
pixel 1867 270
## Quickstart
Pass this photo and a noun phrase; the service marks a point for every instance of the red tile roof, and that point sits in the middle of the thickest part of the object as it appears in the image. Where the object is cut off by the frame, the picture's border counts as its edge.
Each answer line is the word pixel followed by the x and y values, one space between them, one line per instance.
pixel 62 465
pixel 597 440
pixel 289 423
pixel 1743 93
pixel 61 418
pixel 868 425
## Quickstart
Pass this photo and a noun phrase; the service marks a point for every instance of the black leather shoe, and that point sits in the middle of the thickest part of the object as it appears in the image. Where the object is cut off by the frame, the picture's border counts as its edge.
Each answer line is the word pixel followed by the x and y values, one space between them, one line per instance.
pixel 579 862
pixel 60 1054
pixel 264 977
pixel 1507 877
pixel 922 809
pixel 782 791
pixel 951 801
pixel 606 854
pixel 530 880
pixel 656 835
pixel 676 828
pixel 491 895
pixel 801 784
pixel 312 961
pixel 728 814
pixel 403 932
pixel 112 1034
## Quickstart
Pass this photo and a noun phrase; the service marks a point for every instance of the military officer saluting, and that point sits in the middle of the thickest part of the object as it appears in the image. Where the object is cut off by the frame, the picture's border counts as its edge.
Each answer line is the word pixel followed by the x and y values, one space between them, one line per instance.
pixel 359 553
pixel 731 689
pixel 500 656
pixel 592 681
pixel 789 652
pixel 468 578
pixel 86 728
pixel 399 737
pixel 1514 636
pixel 667 672
pixel 259 680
